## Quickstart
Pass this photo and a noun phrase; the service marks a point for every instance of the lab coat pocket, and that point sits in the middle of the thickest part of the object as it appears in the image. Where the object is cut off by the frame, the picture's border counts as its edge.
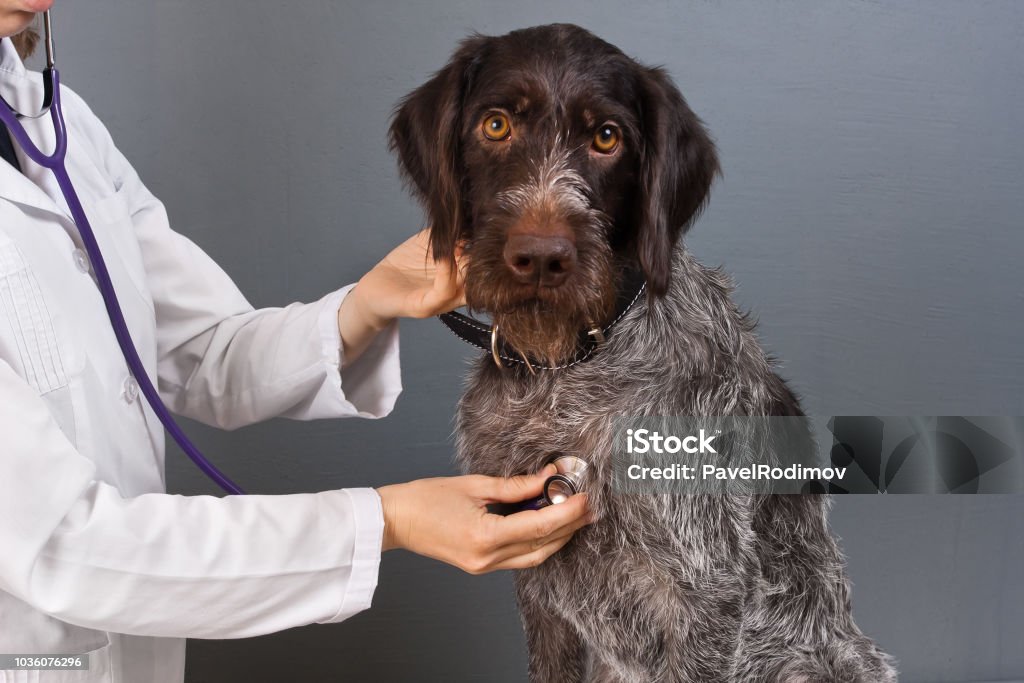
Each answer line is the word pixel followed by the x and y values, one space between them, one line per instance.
pixel 111 221
pixel 98 671
pixel 29 341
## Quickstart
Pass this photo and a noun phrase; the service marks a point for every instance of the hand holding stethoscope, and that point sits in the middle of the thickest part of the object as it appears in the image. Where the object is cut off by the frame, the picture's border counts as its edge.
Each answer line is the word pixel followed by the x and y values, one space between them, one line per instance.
pixel 444 518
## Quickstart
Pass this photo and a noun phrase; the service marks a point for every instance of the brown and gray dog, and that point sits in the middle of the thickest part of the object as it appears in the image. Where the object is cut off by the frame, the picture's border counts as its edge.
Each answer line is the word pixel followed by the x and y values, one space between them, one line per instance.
pixel 564 165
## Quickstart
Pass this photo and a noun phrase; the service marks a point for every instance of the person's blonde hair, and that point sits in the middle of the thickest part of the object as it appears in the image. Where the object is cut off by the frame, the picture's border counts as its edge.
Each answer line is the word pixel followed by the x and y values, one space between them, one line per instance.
pixel 26 41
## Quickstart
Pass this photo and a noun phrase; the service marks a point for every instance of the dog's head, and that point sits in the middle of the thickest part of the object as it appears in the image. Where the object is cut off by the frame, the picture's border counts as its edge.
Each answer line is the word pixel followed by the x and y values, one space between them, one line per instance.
pixel 557 160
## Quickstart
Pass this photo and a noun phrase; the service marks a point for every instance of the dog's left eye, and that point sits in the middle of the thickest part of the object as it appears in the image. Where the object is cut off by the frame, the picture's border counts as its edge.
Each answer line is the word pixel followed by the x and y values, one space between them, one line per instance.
pixel 606 139
pixel 496 127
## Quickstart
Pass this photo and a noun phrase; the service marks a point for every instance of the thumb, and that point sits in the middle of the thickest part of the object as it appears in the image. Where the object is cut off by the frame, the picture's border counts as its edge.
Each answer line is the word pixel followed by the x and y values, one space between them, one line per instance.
pixel 515 489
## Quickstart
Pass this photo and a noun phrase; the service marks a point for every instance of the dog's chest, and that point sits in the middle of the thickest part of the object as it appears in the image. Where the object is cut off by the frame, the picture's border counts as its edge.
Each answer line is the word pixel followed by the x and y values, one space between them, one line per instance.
pixel 509 424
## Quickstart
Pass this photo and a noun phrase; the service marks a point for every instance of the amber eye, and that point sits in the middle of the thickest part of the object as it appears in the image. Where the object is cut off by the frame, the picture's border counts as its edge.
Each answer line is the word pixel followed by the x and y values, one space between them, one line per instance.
pixel 606 139
pixel 496 127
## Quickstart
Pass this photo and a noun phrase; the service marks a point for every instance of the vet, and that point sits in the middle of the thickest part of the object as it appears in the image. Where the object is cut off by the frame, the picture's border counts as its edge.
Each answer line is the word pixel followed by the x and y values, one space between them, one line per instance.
pixel 94 556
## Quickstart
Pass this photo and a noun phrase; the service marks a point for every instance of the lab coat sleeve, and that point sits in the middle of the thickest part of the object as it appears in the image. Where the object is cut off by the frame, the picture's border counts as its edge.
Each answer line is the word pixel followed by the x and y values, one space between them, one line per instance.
pixel 223 363
pixel 165 565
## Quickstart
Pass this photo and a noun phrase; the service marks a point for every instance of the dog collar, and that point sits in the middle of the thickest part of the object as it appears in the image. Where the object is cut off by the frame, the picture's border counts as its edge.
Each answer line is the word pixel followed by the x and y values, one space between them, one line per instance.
pixel 487 337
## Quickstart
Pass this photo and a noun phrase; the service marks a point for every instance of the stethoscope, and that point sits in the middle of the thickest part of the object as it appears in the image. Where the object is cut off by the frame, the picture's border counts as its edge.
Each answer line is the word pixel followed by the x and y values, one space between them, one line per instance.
pixel 55 162
pixel 566 482
pixel 557 488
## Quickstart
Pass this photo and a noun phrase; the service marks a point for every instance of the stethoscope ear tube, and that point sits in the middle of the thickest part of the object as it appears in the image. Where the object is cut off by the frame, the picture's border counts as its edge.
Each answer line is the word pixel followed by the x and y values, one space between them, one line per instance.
pixel 48 39
pixel 55 162
pixel 49 74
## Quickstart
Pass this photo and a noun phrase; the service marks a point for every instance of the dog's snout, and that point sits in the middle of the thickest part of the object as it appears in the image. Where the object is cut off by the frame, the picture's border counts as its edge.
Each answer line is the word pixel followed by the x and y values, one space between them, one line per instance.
pixel 534 259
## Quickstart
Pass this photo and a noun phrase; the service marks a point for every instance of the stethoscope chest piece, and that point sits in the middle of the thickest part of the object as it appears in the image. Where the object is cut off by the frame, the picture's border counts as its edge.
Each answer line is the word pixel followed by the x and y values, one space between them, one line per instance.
pixel 567 482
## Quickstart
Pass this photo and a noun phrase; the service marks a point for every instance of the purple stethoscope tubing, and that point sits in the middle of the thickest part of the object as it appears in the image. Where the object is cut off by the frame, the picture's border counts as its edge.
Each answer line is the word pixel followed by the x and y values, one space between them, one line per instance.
pixel 55 162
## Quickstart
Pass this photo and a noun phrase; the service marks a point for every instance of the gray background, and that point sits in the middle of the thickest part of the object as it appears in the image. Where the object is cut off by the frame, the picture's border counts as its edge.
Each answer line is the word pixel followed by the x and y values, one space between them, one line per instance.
pixel 870 213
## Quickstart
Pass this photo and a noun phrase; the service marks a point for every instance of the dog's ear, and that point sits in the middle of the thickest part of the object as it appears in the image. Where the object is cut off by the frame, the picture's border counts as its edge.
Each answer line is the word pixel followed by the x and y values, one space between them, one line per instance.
pixel 425 133
pixel 678 163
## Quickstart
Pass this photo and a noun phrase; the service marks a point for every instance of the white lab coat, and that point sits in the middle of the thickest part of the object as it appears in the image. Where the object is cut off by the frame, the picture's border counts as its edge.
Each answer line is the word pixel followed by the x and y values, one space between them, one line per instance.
pixel 94 556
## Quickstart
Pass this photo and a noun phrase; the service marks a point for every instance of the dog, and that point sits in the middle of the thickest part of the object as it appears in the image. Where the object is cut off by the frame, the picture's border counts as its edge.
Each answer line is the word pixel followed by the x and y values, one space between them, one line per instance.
pixel 569 170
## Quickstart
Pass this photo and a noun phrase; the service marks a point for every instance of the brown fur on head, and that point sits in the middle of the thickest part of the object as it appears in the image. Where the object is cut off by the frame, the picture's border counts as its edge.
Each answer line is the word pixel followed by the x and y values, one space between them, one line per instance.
pixel 603 165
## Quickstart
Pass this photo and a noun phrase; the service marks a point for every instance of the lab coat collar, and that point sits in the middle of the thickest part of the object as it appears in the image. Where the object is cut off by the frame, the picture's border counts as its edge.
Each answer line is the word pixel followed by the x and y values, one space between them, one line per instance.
pixel 10 60
pixel 23 89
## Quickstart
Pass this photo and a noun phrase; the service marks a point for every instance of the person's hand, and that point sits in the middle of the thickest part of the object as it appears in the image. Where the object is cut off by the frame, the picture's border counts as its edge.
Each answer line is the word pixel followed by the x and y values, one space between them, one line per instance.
pixel 405 284
pixel 447 519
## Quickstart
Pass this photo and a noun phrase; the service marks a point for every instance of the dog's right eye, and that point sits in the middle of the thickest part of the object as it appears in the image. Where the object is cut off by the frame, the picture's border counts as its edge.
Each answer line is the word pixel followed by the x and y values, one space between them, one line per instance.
pixel 496 127
pixel 606 139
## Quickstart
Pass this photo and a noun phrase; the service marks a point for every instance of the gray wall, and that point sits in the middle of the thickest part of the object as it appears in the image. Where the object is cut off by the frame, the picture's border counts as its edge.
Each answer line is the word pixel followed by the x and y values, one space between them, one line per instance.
pixel 870 213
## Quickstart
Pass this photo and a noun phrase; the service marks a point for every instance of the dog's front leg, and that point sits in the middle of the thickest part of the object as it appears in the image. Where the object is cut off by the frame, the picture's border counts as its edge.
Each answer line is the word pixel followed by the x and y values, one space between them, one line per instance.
pixel 556 651
pixel 802 630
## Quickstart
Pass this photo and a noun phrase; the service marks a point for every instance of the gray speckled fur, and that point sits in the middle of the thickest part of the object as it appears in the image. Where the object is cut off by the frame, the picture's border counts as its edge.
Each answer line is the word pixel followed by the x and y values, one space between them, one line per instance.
pixel 669 588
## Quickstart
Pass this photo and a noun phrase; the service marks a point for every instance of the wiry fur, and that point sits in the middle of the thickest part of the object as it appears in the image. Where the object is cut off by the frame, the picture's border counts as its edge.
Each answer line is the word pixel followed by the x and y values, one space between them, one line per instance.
pixel 663 588
pixel 669 588
pixel 547 326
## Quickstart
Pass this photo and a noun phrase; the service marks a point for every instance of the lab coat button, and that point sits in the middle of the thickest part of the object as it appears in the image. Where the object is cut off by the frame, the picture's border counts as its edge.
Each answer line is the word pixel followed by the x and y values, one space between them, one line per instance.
pixel 81 260
pixel 131 389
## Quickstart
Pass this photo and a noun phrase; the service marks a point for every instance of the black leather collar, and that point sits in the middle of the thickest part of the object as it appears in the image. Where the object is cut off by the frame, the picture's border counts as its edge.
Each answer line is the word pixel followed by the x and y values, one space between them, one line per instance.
pixel 482 336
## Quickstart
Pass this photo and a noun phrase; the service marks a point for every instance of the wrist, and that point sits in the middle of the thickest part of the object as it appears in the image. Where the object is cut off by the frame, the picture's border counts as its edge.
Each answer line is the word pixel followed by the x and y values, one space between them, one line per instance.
pixel 361 301
pixel 387 506
pixel 358 325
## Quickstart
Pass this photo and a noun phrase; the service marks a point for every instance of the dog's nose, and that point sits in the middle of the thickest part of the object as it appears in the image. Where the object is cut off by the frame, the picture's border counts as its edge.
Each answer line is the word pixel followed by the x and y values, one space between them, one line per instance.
pixel 535 259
